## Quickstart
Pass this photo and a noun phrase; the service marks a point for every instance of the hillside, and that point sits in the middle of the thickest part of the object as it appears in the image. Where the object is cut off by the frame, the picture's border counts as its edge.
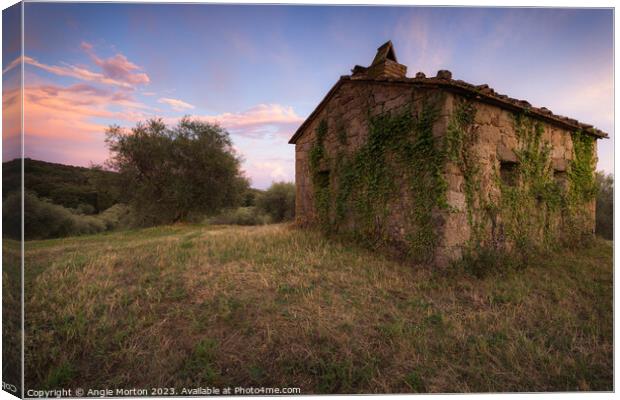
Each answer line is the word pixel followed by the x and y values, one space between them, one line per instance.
pixel 65 185
pixel 191 305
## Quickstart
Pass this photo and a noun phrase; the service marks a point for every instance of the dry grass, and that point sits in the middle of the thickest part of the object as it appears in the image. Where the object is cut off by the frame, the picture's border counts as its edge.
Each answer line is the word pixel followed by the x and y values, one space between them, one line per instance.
pixel 194 305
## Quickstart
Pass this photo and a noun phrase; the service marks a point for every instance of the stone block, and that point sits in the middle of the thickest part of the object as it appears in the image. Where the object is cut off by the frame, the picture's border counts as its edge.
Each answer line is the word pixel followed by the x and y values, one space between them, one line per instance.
pixel 505 153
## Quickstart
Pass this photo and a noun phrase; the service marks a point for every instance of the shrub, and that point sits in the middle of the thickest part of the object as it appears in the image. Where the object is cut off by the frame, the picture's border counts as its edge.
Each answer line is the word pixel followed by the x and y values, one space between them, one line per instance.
pixel 117 216
pixel 278 201
pixel 85 209
pixel 605 205
pixel 240 216
pixel 11 216
pixel 45 220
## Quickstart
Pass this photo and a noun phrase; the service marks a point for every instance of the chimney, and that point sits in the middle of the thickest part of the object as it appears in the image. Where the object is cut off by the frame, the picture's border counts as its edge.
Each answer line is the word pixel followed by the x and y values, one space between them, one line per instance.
pixel 385 64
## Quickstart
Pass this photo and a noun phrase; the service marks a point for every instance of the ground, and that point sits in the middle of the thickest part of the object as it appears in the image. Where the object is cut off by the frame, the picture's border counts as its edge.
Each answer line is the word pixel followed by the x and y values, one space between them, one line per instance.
pixel 195 305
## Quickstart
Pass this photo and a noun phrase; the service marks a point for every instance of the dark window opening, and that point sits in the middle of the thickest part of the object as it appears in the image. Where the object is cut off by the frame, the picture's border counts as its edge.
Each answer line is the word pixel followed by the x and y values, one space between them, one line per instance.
pixel 561 178
pixel 508 172
pixel 322 179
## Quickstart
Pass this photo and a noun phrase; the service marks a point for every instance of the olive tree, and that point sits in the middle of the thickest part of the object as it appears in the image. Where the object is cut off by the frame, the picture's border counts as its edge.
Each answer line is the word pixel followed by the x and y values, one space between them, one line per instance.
pixel 171 174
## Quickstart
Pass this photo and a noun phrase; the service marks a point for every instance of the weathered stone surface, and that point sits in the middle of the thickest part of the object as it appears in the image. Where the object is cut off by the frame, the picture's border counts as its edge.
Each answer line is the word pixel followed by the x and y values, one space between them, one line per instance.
pixel 495 142
pixel 559 164
pixel 505 153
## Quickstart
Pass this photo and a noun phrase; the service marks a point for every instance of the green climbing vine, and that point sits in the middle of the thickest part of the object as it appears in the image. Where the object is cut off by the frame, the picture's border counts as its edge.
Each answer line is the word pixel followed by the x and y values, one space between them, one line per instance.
pixel 581 173
pixel 360 191
pixel 461 139
pixel 582 189
pixel 529 205
pixel 320 180
pixel 400 150
pixel 532 201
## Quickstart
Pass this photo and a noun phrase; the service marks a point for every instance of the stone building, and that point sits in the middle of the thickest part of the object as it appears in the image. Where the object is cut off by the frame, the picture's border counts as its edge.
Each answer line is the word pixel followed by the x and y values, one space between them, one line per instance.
pixel 433 167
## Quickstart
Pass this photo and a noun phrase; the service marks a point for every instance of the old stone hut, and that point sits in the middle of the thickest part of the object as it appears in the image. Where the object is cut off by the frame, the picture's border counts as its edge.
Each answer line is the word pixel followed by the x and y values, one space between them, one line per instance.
pixel 433 167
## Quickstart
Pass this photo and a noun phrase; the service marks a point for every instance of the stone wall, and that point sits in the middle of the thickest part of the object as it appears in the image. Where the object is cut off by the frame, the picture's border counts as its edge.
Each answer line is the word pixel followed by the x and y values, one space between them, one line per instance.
pixel 347 116
pixel 495 146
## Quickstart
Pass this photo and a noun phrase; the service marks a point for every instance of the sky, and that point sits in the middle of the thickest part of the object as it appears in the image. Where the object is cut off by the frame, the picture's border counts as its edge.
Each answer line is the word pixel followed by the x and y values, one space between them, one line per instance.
pixel 260 70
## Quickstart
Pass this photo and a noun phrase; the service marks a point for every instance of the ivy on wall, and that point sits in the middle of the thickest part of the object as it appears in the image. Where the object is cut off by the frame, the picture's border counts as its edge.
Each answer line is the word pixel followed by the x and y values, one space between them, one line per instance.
pixel 356 193
pixel 533 204
pixel 400 150
pixel 529 207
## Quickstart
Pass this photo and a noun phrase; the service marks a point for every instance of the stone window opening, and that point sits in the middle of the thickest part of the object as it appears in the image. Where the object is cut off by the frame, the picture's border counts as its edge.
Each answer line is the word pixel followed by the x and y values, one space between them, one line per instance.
pixel 508 172
pixel 561 179
pixel 323 179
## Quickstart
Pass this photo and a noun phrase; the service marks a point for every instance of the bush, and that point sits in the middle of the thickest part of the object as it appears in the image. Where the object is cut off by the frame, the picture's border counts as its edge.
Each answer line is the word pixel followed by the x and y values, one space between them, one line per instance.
pixel 240 216
pixel 117 216
pixel 85 209
pixel 278 201
pixel 605 205
pixel 45 220
pixel 11 216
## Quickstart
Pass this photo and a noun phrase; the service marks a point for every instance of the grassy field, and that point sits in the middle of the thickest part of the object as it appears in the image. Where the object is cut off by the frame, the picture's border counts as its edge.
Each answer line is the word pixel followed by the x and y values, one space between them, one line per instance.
pixel 188 305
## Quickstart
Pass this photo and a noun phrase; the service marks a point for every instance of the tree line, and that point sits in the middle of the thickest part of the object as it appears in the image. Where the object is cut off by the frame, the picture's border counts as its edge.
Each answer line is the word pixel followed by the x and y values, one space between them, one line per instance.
pixel 156 174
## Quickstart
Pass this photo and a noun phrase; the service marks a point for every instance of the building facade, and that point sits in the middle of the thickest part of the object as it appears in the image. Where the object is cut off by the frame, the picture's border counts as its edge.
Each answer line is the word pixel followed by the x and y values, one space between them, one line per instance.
pixel 434 167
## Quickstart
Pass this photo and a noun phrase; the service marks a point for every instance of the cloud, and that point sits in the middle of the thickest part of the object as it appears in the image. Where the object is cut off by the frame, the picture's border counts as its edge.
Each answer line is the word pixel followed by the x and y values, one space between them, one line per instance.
pixel 259 121
pixel 274 170
pixel 264 172
pixel 11 121
pixel 176 104
pixel 118 67
pixel 116 70
pixel 66 122
pixel 419 47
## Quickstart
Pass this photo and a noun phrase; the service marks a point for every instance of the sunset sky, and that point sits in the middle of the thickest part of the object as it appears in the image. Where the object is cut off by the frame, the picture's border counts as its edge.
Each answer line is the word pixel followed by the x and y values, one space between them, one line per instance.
pixel 260 70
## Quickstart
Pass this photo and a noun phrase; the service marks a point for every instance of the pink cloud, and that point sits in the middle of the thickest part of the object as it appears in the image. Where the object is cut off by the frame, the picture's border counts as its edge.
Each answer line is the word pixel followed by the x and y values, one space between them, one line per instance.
pixel 82 100
pixel 118 67
pixel 61 121
pixel 11 123
pixel 258 121
pixel 116 70
pixel 176 104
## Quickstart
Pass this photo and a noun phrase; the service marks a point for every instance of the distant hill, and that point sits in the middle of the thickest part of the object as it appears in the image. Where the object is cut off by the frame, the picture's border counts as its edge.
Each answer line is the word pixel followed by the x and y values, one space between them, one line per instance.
pixel 71 186
pixel 66 185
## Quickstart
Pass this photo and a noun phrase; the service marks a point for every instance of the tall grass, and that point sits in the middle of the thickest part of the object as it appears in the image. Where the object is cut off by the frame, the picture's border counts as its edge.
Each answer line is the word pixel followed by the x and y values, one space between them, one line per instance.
pixel 269 305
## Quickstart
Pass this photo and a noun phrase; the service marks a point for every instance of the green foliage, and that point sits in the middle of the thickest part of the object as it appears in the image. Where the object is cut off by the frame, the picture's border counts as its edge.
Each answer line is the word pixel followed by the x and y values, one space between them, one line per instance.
pixel 173 174
pixel 320 178
pixel 482 260
pixel 532 202
pixel 460 139
pixel 278 201
pixel 44 219
pixel 400 146
pixel 93 189
pixel 201 363
pixel 533 205
pixel 250 196
pixel 241 216
pixel 605 205
pixel 117 217
pixel 581 173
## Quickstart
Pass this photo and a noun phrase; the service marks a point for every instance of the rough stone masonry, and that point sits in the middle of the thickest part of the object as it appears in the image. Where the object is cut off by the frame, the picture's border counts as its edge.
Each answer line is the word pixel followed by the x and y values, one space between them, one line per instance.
pixel 433 167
